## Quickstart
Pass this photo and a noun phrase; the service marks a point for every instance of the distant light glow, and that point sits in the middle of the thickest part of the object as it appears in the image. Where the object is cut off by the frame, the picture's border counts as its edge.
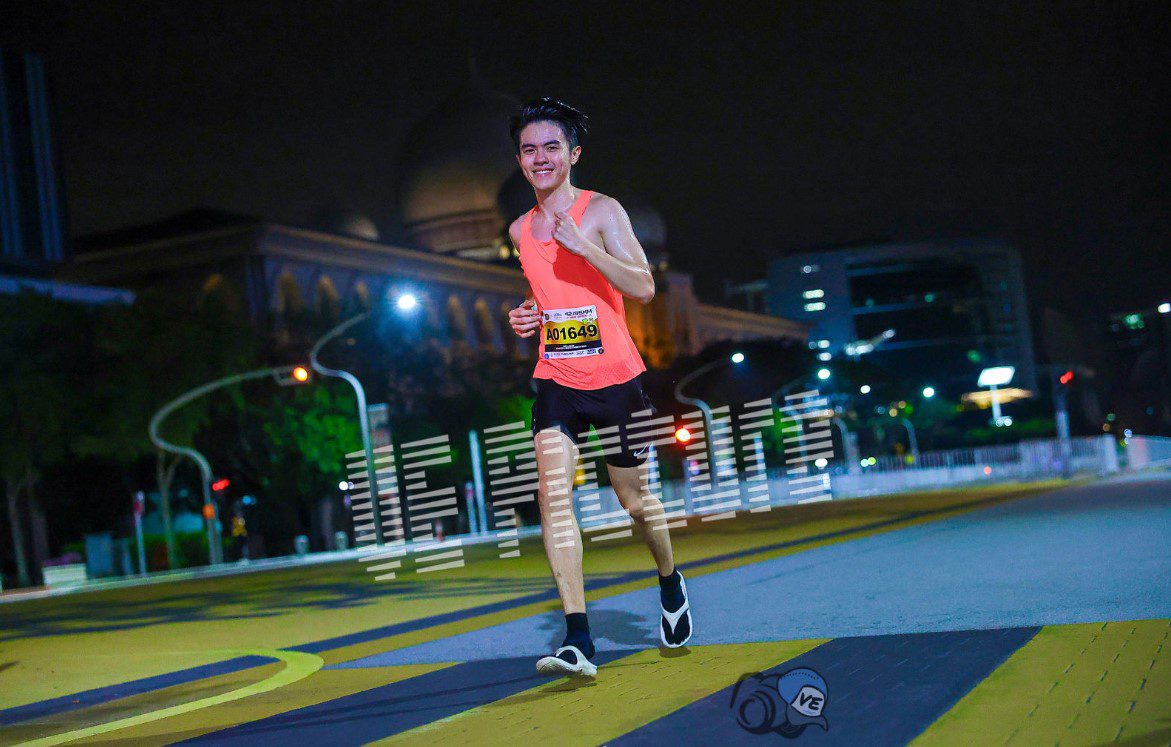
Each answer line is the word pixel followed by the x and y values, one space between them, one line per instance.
pixel 343 485
pixel 810 269
pixel 821 462
pixel 823 344
pixel 406 302
pixel 988 470
pixel 300 373
pixel 815 306
pixel 1165 308
pixel 815 293
pixel 823 373
pixel 682 435
pixel 865 389
pixel 928 392
pixel 737 357
pixel 825 356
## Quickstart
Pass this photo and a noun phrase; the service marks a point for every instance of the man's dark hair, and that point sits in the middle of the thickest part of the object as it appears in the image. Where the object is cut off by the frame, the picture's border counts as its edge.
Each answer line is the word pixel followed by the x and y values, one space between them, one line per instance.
pixel 572 122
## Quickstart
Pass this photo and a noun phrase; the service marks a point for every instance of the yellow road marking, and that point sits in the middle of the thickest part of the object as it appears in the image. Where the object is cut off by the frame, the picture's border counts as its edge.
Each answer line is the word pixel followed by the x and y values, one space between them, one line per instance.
pixel 628 693
pixel 1081 684
pixel 298 666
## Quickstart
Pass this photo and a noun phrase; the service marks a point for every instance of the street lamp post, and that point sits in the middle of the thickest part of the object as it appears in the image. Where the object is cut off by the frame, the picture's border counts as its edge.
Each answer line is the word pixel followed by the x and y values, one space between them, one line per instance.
pixel 363 419
pixel 214 544
pixel 913 441
pixel 704 409
pixel 994 377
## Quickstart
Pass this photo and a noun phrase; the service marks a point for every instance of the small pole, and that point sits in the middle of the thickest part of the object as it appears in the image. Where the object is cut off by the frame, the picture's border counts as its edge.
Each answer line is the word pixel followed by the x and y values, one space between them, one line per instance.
pixel 478 481
pixel 139 509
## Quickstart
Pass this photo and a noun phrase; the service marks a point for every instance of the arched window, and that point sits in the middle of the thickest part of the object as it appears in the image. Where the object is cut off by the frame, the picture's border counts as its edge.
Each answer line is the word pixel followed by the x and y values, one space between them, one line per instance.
pixel 362 295
pixel 457 320
pixel 507 336
pixel 329 307
pixel 288 295
pixel 485 330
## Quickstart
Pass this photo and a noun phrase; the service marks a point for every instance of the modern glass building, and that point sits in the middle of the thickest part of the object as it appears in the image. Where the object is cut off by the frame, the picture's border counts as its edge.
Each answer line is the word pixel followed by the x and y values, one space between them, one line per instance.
pixel 935 310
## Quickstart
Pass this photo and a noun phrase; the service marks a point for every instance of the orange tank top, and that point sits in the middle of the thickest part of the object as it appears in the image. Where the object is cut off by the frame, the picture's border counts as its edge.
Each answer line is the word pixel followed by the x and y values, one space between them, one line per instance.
pixel 585 343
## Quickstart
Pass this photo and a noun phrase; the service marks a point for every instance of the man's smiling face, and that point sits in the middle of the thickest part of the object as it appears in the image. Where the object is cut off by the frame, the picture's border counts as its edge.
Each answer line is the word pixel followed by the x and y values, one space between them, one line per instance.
pixel 545 157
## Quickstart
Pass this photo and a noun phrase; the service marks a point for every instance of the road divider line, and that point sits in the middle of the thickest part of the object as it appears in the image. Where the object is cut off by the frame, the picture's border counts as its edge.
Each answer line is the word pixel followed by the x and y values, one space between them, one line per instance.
pixel 298 666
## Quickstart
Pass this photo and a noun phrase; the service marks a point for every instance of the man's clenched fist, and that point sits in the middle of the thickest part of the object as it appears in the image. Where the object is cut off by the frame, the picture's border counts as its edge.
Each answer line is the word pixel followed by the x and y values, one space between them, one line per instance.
pixel 525 319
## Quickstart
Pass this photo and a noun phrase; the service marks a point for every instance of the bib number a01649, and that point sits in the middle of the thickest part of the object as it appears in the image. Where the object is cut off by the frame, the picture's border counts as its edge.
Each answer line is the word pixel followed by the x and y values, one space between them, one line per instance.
pixel 572 333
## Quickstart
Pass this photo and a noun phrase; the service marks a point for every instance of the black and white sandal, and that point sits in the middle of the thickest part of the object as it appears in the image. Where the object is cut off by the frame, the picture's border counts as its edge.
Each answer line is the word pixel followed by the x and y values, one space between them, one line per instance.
pixel 567 660
pixel 675 627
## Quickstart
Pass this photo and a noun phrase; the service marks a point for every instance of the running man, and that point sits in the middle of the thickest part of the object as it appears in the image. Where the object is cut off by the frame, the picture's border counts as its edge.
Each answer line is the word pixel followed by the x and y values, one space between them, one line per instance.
pixel 580 256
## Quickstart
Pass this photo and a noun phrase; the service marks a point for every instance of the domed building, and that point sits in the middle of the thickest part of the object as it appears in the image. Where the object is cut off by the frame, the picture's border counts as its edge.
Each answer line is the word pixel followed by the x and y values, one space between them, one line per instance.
pixel 454 164
pixel 460 188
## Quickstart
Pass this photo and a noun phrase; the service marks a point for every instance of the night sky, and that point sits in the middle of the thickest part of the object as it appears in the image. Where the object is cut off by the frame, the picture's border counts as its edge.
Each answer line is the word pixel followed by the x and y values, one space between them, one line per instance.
pixel 814 124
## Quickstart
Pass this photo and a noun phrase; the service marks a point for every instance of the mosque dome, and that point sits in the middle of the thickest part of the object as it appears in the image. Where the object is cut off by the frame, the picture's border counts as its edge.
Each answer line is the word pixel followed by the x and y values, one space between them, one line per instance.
pixel 347 223
pixel 453 165
pixel 648 224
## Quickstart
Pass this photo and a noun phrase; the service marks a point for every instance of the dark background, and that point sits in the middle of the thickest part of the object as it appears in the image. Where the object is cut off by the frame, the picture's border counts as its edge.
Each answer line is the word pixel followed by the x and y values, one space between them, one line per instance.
pixel 816 123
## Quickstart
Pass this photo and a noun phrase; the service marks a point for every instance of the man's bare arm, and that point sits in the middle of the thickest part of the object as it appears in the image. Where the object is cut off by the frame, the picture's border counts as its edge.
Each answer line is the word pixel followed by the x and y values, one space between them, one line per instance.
pixel 621 259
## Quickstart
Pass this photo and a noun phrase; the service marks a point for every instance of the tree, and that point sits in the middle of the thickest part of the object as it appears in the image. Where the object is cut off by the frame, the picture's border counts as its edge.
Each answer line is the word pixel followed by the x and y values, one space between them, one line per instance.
pixel 149 353
pixel 45 356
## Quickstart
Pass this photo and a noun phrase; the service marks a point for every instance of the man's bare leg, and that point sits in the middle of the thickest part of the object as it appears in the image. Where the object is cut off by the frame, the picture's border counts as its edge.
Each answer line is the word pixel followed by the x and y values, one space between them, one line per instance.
pixel 629 484
pixel 556 463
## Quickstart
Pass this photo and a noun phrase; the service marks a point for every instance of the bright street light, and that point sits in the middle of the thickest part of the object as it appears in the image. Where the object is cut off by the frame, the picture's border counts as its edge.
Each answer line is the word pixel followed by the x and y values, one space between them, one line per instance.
pixel 928 392
pixel 406 302
pixel 992 378
pixel 865 389
pixel 996 376
pixel 1165 308
pixel 737 357
pixel 823 373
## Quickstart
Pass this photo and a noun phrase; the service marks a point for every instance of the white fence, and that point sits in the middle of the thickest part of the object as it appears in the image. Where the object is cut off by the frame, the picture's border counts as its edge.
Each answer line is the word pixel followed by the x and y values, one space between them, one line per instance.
pixel 1027 460
pixel 1144 452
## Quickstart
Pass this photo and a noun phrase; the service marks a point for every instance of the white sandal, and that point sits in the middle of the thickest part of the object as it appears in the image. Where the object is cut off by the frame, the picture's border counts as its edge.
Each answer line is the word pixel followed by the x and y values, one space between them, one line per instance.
pixel 556 665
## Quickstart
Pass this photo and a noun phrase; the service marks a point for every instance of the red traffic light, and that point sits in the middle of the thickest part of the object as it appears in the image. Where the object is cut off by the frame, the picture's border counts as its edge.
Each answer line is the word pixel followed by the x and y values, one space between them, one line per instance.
pixel 682 435
pixel 1066 378
pixel 221 484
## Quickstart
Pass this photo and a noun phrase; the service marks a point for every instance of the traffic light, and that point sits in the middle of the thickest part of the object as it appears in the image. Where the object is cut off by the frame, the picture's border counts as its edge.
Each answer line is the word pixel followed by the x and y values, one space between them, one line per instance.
pixel 292 376
pixel 682 435
pixel 220 484
pixel 1066 378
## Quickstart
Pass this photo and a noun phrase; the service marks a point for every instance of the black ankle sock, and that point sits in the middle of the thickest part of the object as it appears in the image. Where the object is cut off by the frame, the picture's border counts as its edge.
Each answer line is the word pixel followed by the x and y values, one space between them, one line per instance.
pixel 577 633
pixel 670 591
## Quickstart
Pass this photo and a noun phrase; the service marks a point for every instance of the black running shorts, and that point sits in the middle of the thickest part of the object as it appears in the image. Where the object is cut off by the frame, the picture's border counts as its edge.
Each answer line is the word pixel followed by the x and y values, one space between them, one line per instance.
pixel 573 411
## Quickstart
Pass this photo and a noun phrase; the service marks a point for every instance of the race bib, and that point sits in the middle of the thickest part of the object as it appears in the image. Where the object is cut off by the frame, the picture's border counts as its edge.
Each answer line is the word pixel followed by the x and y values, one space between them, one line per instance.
pixel 572 333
